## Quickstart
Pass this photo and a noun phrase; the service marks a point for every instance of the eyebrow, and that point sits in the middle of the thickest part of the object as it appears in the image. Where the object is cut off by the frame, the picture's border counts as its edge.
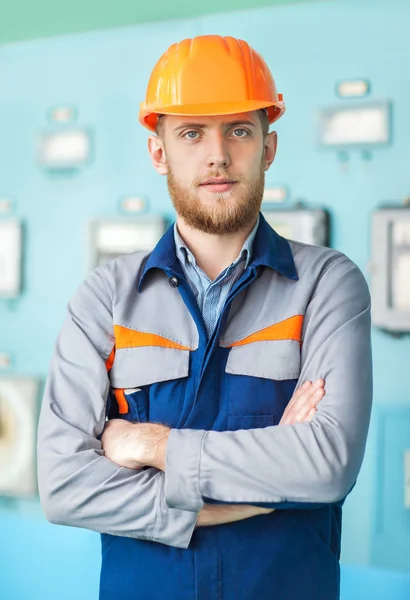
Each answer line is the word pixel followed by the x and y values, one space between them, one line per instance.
pixel 224 124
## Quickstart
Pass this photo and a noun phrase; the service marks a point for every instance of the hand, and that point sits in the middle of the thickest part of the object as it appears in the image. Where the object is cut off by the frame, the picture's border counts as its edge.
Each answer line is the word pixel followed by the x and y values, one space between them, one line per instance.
pixel 218 514
pixel 302 405
pixel 135 445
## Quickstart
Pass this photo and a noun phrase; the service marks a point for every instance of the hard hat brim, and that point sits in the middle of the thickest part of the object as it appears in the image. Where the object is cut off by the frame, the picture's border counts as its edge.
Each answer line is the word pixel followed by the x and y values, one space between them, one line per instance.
pixel 148 116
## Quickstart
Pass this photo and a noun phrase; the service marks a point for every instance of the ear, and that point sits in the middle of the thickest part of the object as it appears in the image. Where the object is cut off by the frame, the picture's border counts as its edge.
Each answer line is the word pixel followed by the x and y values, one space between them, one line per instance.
pixel 156 149
pixel 269 150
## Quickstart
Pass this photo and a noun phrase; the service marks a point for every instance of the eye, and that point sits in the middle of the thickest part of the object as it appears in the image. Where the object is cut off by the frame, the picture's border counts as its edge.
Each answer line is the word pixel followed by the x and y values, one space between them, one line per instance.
pixel 240 132
pixel 191 135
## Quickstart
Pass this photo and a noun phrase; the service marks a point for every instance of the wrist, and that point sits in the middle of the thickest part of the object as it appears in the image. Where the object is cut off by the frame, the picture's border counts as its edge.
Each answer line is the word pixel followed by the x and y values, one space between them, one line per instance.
pixel 160 438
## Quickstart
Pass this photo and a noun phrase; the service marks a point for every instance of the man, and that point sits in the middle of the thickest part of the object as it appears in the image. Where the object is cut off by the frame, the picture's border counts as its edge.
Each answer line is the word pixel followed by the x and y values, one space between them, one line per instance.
pixel 223 466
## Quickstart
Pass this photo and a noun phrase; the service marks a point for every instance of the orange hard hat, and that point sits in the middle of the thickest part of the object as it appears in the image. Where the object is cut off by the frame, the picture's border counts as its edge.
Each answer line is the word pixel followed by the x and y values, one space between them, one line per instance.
pixel 210 75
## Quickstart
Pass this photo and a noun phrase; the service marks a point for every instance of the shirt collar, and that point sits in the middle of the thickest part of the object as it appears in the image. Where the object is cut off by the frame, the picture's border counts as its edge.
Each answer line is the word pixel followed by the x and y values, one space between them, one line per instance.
pixel 266 248
pixel 184 253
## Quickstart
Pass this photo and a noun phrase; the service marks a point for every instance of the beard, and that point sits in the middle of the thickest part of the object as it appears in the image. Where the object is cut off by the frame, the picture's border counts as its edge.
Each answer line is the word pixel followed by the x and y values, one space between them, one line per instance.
pixel 227 212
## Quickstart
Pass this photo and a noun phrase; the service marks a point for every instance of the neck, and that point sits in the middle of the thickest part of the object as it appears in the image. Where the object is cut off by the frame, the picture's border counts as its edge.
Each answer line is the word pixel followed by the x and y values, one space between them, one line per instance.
pixel 213 253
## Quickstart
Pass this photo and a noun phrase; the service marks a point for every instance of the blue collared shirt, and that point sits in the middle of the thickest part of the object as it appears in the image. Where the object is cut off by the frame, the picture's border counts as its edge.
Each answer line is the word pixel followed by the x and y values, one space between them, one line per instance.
pixel 211 295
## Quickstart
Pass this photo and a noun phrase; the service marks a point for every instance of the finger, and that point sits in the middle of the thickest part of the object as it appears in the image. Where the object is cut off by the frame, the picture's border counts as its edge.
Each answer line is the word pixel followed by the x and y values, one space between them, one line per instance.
pixel 296 394
pixel 309 396
pixel 303 396
pixel 308 388
pixel 319 383
pixel 303 405
pixel 302 388
pixel 302 409
pixel 308 384
pixel 310 414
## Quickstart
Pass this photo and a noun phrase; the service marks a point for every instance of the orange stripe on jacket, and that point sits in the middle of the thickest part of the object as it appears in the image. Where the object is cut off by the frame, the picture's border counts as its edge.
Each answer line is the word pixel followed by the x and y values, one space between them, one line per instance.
pixel 110 360
pixel 129 338
pixel 122 402
pixel 118 393
pixel 290 329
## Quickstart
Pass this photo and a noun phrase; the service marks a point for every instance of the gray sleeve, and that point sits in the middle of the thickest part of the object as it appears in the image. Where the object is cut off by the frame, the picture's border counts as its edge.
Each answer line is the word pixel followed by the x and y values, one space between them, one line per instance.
pixel 315 461
pixel 78 485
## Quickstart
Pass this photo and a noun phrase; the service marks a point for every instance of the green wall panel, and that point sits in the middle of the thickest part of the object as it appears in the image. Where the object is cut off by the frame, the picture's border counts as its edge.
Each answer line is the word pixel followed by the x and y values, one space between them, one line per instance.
pixel 25 19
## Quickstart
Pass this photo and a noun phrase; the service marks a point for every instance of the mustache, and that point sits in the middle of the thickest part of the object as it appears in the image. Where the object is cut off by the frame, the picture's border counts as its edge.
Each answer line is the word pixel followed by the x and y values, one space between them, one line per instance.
pixel 217 175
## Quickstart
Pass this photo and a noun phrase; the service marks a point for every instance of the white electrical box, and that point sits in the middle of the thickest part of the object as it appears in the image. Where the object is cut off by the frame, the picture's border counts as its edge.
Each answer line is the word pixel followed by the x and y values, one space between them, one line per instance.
pixel 18 428
pixel 109 238
pixel 10 257
pixel 364 125
pixel 65 149
pixel 275 195
pixel 390 269
pixel 309 226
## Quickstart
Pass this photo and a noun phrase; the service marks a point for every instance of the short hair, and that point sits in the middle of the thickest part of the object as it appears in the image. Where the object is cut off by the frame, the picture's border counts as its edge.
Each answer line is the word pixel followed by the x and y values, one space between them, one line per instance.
pixel 263 115
pixel 159 130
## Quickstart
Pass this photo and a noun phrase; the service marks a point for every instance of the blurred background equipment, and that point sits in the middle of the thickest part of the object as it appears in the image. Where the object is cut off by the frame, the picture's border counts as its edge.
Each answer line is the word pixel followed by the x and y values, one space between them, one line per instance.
pixel 10 257
pixel 357 125
pixel 133 205
pixel 275 194
pixel 62 114
pixel 354 88
pixel 390 269
pixel 309 226
pixel 65 150
pixel 109 238
pixel 18 425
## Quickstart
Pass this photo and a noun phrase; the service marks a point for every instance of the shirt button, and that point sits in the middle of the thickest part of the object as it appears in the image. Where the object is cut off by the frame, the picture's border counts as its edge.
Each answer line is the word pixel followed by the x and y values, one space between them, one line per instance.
pixel 173 282
pixel 189 258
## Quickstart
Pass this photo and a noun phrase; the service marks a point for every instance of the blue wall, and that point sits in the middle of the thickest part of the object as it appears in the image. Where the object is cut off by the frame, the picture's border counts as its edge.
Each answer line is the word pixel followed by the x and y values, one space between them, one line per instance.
pixel 308 47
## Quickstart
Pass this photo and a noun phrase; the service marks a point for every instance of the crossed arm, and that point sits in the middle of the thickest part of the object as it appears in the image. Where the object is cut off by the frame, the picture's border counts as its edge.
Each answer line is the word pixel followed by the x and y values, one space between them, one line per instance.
pixel 313 461
pixel 138 445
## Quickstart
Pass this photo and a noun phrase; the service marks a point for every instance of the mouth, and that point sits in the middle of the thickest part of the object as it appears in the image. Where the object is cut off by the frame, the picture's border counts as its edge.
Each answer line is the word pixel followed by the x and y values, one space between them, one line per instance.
pixel 218 185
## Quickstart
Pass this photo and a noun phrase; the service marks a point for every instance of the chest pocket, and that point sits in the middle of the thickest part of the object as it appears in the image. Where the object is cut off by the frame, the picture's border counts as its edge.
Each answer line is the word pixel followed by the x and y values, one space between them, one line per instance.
pixel 261 378
pixel 148 383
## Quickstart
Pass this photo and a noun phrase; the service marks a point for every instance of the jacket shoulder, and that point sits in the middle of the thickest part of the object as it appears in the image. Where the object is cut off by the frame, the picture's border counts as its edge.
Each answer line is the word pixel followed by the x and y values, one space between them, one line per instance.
pixel 123 272
pixel 327 268
pixel 311 259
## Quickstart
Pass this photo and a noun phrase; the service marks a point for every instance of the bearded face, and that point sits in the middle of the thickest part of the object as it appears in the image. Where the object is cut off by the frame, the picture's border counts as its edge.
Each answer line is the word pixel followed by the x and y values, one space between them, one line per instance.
pixel 218 212
pixel 215 167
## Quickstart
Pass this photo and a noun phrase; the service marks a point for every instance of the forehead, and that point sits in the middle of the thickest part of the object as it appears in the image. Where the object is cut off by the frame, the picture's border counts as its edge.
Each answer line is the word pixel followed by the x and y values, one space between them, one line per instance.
pixel 215 121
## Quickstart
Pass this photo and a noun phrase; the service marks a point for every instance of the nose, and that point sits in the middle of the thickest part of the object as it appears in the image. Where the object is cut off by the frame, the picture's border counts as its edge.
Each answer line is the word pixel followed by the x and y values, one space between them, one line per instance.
pixel 218 153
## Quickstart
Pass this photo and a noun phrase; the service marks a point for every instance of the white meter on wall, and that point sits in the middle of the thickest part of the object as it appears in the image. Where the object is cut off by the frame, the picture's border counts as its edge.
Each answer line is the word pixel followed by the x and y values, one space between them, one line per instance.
pixel 65 149
pixel 364 125
pixel 309 226
pixel 10 257
pixel 109 238
pixel 390 269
